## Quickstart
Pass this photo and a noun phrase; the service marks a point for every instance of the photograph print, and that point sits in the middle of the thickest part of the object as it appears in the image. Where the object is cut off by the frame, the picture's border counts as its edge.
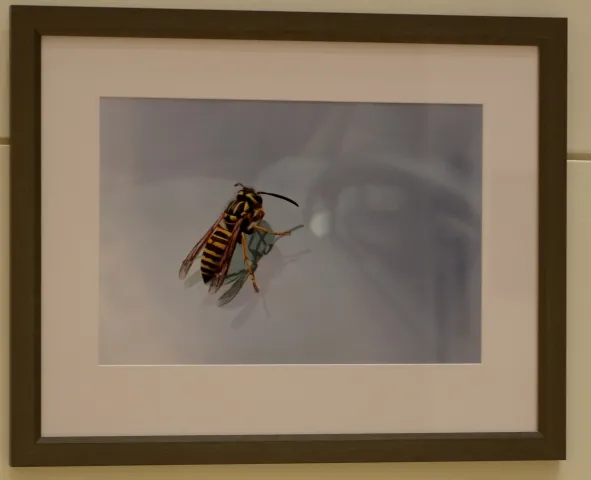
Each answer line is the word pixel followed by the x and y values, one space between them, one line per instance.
pixel 289 232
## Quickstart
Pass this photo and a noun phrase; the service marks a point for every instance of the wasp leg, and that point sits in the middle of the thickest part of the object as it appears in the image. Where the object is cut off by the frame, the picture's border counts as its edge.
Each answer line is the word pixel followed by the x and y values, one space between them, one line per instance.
pixel 269 232
pixel 248 263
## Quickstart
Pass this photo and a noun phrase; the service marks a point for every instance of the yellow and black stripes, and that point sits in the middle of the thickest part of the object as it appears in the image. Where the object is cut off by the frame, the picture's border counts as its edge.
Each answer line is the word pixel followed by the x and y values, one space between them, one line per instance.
pixel 236 210
pixel 212 253
pixel 253 198
pixel 218 242
pixel 239 219
pixel 245 205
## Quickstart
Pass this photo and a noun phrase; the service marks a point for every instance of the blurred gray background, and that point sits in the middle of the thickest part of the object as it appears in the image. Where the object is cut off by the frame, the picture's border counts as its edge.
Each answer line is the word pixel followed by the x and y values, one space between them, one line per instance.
pixel 386 268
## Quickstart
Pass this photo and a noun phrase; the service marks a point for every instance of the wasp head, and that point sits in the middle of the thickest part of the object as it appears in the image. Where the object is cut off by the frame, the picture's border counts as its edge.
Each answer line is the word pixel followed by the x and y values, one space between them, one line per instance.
pixel 249 195
pixel 252 196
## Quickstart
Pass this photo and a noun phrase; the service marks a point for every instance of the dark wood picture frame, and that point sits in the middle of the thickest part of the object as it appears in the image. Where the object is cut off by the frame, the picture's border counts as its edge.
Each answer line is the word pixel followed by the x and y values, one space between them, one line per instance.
pixel 28 24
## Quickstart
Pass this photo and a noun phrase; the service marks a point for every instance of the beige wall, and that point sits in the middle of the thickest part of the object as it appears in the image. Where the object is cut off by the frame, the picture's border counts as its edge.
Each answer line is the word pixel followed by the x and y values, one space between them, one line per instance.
pixel 578 465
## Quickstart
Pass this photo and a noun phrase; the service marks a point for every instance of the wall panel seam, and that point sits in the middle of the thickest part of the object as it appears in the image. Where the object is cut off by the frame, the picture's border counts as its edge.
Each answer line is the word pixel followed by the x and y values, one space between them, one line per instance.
pixel 586 156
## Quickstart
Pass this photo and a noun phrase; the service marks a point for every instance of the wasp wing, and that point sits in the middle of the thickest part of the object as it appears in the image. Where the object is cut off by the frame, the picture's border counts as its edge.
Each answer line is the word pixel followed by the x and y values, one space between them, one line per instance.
pixel 218 280
pixel 234 289
pixel 190 258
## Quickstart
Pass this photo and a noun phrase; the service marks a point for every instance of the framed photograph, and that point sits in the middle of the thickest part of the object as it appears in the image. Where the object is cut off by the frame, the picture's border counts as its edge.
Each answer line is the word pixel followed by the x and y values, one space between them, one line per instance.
pixel 280 237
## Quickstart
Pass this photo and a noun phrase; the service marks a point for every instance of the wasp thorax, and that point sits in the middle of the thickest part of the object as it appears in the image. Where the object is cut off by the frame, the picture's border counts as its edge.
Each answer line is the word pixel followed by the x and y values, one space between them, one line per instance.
pixel 252 198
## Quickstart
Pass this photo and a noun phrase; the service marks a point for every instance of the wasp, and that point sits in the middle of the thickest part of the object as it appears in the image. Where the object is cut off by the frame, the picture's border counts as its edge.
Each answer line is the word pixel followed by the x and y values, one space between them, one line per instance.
pixel 240 218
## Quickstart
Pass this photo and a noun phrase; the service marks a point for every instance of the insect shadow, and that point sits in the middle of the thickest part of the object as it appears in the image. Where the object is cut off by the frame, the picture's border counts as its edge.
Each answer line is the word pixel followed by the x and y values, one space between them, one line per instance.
pixel 274 266
pixel 259 245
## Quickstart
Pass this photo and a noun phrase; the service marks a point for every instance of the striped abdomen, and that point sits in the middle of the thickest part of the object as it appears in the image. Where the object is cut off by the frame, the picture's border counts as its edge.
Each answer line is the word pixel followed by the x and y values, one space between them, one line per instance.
pixel 213 251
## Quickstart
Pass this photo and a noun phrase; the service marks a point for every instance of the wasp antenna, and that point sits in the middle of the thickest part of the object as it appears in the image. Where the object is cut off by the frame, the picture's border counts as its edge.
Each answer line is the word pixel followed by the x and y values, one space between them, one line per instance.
pixel 238 185
pixel 279 196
